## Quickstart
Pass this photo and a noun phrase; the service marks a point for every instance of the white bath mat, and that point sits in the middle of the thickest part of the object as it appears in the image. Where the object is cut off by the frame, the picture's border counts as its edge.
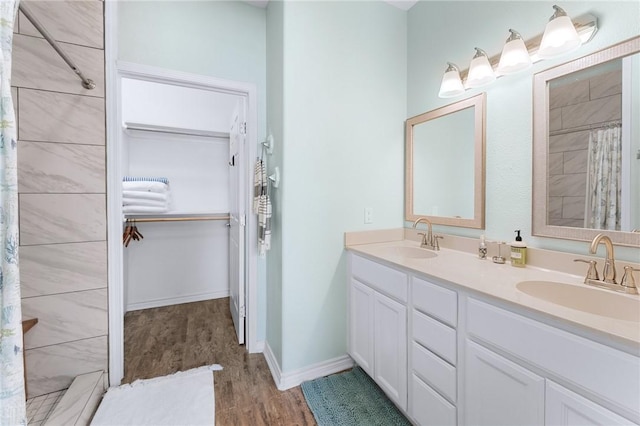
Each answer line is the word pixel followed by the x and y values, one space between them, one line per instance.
pixel 183 398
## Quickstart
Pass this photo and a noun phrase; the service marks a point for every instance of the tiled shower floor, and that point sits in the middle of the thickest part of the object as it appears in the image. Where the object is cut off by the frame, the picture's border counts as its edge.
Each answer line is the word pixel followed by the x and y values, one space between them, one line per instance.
pixel 39 408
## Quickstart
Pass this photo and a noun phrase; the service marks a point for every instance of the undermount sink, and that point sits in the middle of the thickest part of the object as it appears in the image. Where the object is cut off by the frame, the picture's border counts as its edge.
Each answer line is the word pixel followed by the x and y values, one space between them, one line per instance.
pixel 586 299
pixel 409 252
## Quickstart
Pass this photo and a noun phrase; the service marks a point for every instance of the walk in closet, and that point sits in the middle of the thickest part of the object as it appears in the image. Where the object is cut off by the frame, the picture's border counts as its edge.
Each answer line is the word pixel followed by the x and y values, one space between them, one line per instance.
pixel 180 134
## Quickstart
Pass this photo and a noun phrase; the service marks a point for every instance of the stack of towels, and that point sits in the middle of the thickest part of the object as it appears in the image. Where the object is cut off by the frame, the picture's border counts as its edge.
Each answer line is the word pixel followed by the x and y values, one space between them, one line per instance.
pixel 146 195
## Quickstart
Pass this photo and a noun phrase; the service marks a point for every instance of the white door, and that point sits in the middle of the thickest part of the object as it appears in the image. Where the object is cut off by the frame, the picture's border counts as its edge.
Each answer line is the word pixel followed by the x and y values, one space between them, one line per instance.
pixel 361 325
pixel 237 220
pixel 565 408
pixel 390 348
pixel 500 392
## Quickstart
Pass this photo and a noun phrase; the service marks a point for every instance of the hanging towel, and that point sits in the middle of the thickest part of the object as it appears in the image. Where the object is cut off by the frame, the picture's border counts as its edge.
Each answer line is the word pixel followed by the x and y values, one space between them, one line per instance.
pixel 143 209
pixel 145 179
pixel 143 195
pixel 258 183
pixel 264 224
pixel 147 186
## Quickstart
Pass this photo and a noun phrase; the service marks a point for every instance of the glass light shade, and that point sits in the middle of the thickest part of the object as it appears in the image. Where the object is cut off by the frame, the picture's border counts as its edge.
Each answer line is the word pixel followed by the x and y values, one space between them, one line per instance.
pixel 560 36
pixel 451 84
pixel 515 56
pixel 480 71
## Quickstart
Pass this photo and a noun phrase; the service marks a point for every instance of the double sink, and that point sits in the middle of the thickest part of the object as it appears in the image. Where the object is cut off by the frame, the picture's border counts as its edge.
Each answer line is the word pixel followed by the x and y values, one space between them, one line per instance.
pixel 579 297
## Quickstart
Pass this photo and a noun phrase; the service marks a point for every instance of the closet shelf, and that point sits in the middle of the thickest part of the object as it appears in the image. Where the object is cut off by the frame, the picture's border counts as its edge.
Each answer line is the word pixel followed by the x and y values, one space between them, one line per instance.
pixel 176 217
pixel 173 130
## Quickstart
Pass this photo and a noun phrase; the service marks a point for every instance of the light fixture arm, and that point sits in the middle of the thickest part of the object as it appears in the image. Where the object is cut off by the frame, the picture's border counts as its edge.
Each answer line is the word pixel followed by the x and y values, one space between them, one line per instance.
pixel 558 12
pixel 514 36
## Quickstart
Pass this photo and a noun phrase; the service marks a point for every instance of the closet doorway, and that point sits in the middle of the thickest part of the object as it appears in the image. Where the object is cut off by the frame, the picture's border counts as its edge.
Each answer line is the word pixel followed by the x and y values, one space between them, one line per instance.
pixel 184 144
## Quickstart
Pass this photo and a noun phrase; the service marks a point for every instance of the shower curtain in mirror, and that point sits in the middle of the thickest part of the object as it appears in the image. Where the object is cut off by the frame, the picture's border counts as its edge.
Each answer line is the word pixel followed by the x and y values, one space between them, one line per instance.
pixel 604 179
pixel 12 404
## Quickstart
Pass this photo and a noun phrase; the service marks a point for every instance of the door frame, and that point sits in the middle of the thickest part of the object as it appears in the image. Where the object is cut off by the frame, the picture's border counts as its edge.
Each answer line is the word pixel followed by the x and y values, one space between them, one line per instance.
pixel 115 71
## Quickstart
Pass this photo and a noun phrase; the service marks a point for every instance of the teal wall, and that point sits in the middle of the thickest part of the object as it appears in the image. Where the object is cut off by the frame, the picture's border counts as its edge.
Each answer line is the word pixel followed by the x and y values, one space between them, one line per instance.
pixel 343 105
pixel 223 39
pixel 441 31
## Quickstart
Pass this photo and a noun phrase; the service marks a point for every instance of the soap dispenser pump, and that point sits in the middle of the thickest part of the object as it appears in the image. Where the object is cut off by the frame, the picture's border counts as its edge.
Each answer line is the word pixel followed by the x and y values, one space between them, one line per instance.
pixel 518 251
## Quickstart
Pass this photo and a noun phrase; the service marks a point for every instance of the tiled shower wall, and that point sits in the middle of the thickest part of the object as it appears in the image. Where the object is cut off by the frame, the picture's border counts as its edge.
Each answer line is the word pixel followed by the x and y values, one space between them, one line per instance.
pixel 61 182
pixel 588 101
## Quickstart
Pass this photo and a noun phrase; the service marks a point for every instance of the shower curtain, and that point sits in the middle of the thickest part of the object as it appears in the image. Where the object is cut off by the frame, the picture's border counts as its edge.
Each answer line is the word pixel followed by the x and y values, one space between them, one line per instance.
pixel 604 179
pixel 12 396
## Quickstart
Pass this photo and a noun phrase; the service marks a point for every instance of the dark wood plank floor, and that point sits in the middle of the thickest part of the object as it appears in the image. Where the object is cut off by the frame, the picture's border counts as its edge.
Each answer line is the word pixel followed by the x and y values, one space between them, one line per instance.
pixel 161 341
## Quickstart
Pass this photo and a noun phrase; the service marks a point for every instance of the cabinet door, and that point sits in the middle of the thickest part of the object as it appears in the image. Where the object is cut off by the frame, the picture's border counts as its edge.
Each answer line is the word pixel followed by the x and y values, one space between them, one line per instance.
pixel 566 408
pixel 500 392
pixel 361 325
pixel 390 342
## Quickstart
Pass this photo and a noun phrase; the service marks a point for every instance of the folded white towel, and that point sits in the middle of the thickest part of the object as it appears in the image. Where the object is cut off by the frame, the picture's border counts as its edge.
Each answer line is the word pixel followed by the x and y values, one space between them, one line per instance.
pixel 142 202
pixel 144 209
pixel 143 195
pixel 145 186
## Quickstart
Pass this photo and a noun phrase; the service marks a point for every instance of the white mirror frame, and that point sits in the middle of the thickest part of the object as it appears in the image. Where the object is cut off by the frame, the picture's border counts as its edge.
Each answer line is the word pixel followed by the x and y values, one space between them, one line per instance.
pixel 541 147
pixel 478 103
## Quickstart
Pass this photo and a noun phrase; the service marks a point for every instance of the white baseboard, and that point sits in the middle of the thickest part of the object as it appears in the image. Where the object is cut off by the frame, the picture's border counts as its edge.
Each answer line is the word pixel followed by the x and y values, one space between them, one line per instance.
pixel 294 378
pixel 156 303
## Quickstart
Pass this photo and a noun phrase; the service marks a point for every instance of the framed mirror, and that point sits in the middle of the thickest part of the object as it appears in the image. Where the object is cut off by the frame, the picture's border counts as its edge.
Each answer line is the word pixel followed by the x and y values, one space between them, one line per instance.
pixel 444 171
pixel 586 147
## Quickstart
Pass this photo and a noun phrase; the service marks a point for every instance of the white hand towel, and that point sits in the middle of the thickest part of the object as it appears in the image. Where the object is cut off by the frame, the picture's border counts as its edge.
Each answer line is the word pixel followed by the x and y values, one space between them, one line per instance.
pixel 264 225
pixel 143 195
pixel 142 202
pixel 144 209
pixel 145 186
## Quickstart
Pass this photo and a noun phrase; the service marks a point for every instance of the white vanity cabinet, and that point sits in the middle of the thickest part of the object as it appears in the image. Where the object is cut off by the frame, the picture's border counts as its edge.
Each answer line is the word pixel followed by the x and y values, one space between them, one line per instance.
pixel 433 354
pixel 378 325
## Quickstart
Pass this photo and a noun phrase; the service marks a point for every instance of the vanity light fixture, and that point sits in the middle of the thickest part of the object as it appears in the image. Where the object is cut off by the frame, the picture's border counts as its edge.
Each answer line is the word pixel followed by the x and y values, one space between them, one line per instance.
pixel 561 35
pixel 480 71
pixel 451 83
pixel 515 56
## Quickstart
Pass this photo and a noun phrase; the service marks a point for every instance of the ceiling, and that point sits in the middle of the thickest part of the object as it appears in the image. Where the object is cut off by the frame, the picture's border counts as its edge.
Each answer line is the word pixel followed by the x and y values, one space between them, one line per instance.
pixel 400 4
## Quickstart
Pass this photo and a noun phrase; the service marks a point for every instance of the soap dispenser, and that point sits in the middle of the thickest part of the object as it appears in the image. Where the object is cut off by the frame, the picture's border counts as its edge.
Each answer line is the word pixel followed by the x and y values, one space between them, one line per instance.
pixel 518 251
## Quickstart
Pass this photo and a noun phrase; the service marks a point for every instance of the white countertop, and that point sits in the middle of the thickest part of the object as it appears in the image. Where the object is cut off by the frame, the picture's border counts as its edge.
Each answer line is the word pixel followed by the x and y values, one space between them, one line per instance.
pixel 468 271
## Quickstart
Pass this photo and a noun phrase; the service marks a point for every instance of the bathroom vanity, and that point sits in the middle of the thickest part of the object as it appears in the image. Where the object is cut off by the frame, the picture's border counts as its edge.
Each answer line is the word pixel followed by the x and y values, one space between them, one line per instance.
pixel 452 339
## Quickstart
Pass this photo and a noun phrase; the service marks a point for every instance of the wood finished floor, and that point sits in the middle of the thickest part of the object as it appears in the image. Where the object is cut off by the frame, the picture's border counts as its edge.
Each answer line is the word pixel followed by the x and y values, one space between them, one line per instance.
pixel 161 341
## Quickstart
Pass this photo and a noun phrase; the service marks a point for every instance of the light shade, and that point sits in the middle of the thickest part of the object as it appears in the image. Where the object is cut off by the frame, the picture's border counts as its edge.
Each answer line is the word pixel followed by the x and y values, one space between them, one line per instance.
pixel 560 36
pixel 451 84
pixel 480 71
pixel 515 56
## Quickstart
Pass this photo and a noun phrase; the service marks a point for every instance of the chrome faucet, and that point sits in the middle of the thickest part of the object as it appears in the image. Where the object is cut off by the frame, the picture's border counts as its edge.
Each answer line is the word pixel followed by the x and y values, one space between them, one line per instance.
pixel 428 240
pixel 609 269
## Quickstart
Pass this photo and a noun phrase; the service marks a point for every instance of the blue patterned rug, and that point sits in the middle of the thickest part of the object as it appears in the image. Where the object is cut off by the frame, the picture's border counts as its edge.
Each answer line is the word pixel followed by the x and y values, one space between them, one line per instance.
pixel 350 398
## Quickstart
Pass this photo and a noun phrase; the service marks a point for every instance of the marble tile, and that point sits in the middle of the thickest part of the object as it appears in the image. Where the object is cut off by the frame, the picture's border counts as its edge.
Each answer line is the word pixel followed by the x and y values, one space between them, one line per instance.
pixel 14 98
pixel 52 368
pixel 573 223
pixel 62 218
pixel 567 185
pixel 59 117
pixel 569 94
pixel 573 207
pixel 77 22
pixel 79 401
pixel 65 317
pixel 596 111
pixel 60 168
pixel 62 268
pixel 37 66
pixel 569 142
pixel 576 161
pixel 555 119
pixel 556 161
pixel 555 207
pixel 606 84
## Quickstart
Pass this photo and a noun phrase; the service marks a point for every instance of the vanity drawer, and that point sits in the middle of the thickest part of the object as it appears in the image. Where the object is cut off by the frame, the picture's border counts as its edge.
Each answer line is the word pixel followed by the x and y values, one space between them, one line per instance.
pixel 439 302
pixel 382 278
pixel 429 408
pixel 611 374
pixel 435 336
pixel 433 370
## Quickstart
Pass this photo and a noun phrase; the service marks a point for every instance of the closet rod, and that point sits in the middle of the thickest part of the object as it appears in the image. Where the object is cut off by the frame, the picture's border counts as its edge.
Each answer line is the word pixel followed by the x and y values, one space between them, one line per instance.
pixel 176 219
pixel 86 82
